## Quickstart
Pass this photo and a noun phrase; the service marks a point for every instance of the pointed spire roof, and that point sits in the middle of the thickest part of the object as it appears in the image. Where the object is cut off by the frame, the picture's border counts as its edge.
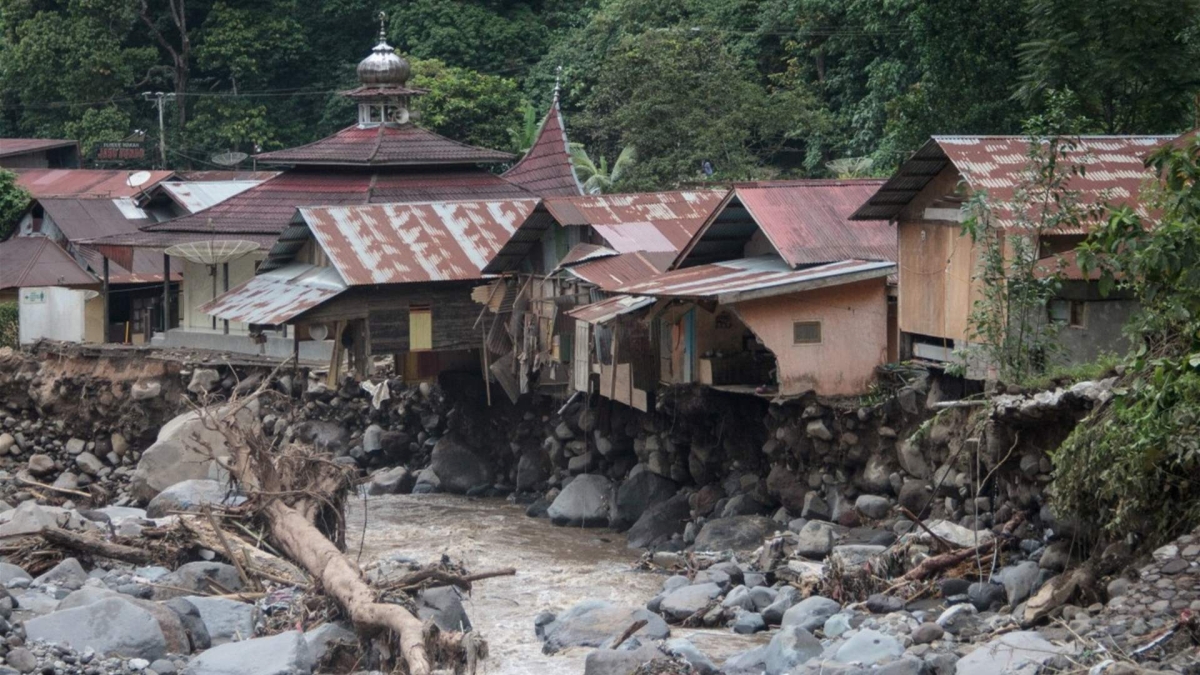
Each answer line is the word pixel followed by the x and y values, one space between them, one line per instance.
pixel 546 170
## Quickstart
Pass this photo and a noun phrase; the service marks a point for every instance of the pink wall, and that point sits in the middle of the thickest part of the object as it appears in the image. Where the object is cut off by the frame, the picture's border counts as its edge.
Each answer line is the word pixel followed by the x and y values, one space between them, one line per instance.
pixel 853 336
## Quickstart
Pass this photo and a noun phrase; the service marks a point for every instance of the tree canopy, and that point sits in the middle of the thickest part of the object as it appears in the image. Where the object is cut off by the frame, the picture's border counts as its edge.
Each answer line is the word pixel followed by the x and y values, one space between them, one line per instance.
pixel 750 88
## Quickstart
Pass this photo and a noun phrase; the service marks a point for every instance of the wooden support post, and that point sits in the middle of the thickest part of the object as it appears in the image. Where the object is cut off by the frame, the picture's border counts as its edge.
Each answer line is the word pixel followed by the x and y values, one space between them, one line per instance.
pixel 104 336
pixel 166 293
pixel 335 360
pixel 295 355
pixel 225 269
pixel 487 371
pixel 213 272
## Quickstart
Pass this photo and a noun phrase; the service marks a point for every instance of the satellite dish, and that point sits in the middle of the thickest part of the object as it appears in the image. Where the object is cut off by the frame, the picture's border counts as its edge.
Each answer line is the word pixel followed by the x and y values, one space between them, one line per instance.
pixel 229 158
pixel 138 178
pixel 318 332
pixel 212 252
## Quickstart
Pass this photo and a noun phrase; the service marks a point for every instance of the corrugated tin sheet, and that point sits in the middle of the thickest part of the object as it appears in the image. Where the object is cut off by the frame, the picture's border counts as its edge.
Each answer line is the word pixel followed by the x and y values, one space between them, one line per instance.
pixel 85 183
pixel 644 221
pixel 411 243
pixel 580 253
pixel 268 208
pixel 718 280
pixel 1114 170
pixel 27 262
pixel 198 195
pixel 384 145
pixel 609 309
pixel 85 219
pixel 809 223
pixel 221 175
pixel 138 266
pixel 21 146
pixel 546 169
pixel 277 296
pixel 613 272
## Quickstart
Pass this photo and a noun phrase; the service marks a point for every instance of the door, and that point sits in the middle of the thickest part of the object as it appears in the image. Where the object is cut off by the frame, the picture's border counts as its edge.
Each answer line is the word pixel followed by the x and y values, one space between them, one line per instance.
pixel 420 328
pixel 689 343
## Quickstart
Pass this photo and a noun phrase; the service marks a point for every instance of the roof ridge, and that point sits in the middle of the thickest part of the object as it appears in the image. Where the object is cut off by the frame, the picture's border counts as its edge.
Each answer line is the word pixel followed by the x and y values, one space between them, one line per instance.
pixel 33 258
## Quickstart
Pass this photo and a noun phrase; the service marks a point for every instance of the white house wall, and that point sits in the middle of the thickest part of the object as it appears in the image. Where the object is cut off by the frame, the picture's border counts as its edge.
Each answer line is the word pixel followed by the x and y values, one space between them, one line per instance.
pixel 197 290
pixel 52 313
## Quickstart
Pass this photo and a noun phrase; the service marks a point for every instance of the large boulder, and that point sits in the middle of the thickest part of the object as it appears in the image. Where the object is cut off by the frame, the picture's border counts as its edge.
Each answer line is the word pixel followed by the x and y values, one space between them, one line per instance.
pixel 1019 652
pixel 282 654
pixel 596 623
pixel 113 627
pixel 322 637
pixel 185 449
pixel 583 503
pixel 790 648
pixel 636 495
pixel 620 662
pixel 868 647
pixel 225 620
pixel 31 517
pixel 739 533
pixel 191 495
pixel 660 523
pixel 443 605
pixel 193 578
pixel 173 627
pixel 811 612
pixel 683 602
pixel 393 481
pixel 458 468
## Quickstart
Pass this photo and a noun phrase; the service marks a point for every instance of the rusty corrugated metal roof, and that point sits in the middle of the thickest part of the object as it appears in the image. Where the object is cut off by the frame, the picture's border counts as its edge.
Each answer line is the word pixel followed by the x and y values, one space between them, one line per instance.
pixel 84 183
pixel 195 196
pixel 21 146
pixel 277 296
pixel 384 145
pixel 1114 166
pixel 732 280
pixel 546 169
pixel 411 243
pixel 27 262
pixel 609 309
pixel 584 252
pixel 643 221
pixel 613 272
pixel 808 221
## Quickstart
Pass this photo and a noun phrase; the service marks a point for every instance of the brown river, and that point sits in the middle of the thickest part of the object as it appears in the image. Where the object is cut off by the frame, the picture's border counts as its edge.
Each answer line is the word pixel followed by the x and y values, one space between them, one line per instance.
pixel 556 568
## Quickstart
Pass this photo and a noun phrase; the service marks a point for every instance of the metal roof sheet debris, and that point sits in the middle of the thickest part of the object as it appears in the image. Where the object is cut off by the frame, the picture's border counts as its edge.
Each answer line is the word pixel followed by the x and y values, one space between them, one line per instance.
pixel 411 243
pixel 609 309
pixel 613 272
pixel 725 280
pixel 277 296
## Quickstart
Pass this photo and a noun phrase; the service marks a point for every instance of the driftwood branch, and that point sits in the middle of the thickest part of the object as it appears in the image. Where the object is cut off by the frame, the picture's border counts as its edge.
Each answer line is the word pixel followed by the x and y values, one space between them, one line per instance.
pixel 98 547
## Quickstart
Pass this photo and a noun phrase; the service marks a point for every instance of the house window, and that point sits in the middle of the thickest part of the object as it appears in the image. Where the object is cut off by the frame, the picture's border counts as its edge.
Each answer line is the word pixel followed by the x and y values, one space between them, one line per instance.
pixel 420 328
pixel 1071 313
pixel 806 332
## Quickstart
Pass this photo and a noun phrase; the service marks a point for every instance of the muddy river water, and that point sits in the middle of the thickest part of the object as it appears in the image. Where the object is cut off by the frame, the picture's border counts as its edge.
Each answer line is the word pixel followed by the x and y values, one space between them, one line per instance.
pixel 556 568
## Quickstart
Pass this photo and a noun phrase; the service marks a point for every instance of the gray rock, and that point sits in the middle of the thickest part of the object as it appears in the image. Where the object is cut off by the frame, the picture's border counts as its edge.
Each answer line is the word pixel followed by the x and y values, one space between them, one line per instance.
pixel 171 625
pixel 660 523
pixel 815 507
pixel 193 579
pixel 1056 557
pixel 22 659
pixel 912 460
pixel 396 480
pixel 193 625
pixel 739 533
pixel 637 494
pixel 40 465
pixel 762 597
pixel 868 647
pixel 185 450
pixel 322 637
pixel 815 540
pixel 619 662
pixel 682 648
pixel 443 605
pixel 683 602
pixel 10 572
pixel 225 620
pixel 164 667
pixel 593 623
pixel 460 469
pixel 1019 581
pixel 926 633
pixel 738 596
pixel 145 390
pixel 872 506
pixel 1019 652
pixel 986 595
pixel 533 470
pixel 749 662
pixel 66 573
pixel 748 623
pixel 89 463
pixel 817 429
pixel 282 654
pixel 191 495
pixel 810 613
pixel 113 626
pixel 784 600
pixel 790 648
pixel 855 555
pixel 204 380
pixel 583 503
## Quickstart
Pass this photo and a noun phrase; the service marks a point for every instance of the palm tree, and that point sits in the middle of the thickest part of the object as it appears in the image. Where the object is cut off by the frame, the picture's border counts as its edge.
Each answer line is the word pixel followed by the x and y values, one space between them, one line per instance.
pixel 850 167
pixel 600 179
pixel 524 136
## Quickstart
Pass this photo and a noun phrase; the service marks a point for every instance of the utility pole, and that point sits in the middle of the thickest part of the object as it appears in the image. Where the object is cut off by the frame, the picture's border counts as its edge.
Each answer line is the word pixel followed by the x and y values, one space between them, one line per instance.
pixel 159 99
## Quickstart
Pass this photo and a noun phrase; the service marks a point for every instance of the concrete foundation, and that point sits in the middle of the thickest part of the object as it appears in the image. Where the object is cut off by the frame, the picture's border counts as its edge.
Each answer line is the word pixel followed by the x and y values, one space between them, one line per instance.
pixel 276 346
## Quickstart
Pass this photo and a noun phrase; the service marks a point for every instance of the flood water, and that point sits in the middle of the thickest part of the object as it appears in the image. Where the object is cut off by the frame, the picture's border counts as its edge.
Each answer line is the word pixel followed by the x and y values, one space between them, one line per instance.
pixel 556 568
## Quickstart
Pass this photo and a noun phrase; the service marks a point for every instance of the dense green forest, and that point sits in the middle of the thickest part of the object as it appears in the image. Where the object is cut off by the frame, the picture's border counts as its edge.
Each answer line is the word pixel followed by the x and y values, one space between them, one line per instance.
pixel 757 88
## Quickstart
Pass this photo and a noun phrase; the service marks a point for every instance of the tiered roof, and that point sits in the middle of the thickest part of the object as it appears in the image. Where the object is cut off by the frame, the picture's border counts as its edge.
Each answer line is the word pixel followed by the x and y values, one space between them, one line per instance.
pixel 546 169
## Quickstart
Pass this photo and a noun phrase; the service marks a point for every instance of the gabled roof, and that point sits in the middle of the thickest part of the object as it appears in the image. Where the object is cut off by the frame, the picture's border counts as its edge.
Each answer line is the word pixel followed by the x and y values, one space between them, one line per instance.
pixel 193 196
pixel 413 243
pixel 807 222
pixel 384 145
pixel 277 296
pixel 22 146
pixel 266 209
pixel 752 278
pixel 1114 166
pixel 546 169
pixel 613 272
pixel 84 183
pixel 27 262
pixel 85 219
pixel 657 224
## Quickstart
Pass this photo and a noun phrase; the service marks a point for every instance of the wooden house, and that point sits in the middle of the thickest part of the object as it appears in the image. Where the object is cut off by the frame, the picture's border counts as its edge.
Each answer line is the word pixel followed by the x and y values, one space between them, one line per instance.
pixel 939 263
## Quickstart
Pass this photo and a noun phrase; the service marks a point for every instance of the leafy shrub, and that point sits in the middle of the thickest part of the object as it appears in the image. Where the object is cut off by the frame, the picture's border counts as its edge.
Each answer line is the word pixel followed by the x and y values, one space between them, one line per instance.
pixel 8 324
